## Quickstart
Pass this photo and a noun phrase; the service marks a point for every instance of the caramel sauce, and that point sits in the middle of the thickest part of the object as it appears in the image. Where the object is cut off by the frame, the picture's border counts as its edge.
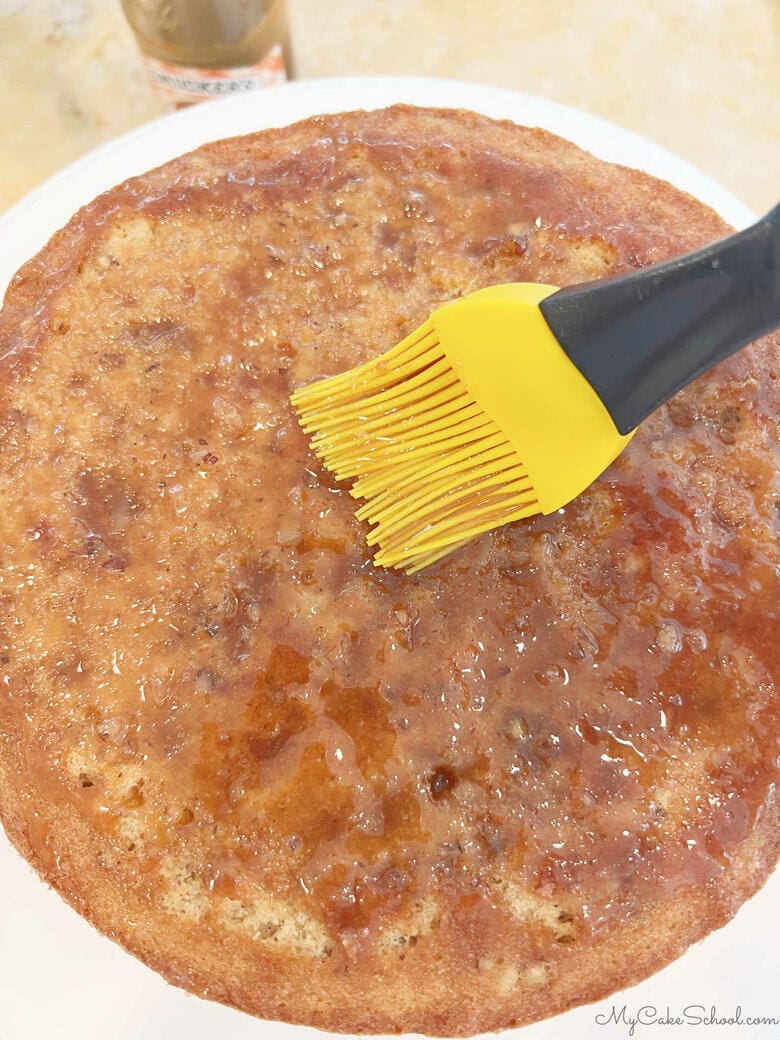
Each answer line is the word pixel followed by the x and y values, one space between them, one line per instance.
pixel 585 703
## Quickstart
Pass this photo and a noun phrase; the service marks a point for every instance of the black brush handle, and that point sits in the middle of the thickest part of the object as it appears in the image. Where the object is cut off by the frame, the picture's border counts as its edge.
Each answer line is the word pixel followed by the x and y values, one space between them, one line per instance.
pixel 639 338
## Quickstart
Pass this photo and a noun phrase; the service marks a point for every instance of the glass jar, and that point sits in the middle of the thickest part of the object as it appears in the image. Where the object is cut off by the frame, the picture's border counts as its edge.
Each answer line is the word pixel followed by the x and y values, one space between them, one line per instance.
pixel 199 49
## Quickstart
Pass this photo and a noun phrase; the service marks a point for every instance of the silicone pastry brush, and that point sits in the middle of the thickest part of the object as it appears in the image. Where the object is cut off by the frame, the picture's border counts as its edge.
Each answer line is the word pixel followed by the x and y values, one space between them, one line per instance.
pixel 510 401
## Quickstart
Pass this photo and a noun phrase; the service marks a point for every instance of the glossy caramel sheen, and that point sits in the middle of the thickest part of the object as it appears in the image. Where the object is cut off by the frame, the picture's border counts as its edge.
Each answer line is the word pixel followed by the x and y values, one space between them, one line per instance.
pixel 566 722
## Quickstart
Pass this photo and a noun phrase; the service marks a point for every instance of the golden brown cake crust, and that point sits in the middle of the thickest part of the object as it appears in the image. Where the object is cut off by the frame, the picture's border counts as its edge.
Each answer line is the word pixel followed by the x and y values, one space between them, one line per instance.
pixel 448 803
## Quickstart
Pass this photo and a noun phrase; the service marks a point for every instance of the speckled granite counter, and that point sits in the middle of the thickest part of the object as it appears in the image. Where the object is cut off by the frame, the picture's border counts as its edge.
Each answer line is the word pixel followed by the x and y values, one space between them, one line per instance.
pixel 701 78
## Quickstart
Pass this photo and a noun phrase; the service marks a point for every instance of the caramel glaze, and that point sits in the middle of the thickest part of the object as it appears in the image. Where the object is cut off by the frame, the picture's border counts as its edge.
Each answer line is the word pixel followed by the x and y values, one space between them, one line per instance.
pixel 194 637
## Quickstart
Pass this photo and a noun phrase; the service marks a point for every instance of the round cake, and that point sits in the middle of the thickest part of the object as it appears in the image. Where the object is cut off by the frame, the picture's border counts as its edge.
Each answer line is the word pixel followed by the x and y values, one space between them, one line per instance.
pixel 317 790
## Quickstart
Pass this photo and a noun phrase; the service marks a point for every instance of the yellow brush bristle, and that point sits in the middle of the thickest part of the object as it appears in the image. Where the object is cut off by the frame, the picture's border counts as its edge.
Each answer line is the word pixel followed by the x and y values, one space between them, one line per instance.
pixel 432 468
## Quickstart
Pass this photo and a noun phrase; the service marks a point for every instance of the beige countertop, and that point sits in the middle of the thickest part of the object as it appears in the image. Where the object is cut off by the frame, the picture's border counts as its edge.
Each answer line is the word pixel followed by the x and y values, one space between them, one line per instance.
pixel 701 78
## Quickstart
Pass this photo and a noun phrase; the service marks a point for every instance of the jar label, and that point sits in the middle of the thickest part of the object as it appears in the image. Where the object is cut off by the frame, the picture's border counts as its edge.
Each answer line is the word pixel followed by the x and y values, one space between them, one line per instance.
pixel 183 85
